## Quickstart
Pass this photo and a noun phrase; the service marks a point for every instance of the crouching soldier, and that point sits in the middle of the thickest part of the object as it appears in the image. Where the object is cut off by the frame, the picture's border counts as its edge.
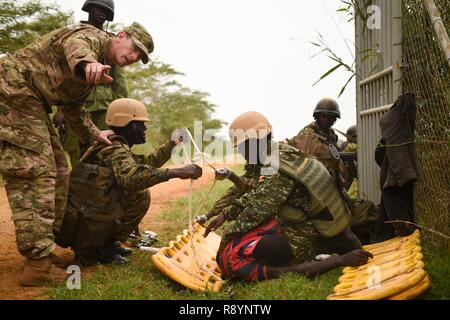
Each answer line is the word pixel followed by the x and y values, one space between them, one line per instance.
pixel 108 192
pixel 296 190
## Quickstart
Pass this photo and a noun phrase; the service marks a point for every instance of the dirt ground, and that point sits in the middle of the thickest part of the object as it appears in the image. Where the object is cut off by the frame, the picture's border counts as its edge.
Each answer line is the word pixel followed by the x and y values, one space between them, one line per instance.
pixel 11 261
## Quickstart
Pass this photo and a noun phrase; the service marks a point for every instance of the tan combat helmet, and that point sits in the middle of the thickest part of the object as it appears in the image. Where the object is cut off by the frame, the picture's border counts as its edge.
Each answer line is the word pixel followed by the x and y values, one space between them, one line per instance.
pixel 327 106
pixel 249 125
pixel 124 110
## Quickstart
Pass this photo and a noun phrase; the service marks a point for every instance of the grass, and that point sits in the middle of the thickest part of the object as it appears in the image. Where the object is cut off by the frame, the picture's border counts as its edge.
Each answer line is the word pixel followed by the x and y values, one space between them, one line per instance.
pixel 142 280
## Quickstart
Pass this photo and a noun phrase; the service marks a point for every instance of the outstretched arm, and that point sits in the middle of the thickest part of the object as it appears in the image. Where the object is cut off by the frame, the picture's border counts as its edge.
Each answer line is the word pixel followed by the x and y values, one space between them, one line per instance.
pixel 314 268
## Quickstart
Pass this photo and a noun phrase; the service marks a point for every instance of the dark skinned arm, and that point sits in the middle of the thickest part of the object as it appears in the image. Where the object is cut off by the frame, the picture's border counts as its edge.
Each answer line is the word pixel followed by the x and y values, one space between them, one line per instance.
pixel 314 268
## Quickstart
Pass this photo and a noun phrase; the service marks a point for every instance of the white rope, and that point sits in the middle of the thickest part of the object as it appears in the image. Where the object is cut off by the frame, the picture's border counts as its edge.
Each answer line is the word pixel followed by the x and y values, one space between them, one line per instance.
pixel 190 215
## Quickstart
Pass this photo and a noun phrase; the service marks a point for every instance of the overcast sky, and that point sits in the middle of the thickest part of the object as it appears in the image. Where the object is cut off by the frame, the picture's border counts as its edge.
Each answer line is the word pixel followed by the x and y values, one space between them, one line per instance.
pixel 249 54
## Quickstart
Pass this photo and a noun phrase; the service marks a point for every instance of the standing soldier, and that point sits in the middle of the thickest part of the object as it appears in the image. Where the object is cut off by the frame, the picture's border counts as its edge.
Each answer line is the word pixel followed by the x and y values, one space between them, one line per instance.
pixel 320 140
pixel 104 93
pixel 61 68
pixel 350 145
pixel 349 156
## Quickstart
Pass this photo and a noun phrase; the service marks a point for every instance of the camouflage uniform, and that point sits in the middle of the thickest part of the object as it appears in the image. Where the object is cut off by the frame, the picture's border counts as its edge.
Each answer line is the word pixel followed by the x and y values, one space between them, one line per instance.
pixel 353 190
pixel 132 175
pixel 47 72
pixel 314 141
pixel 250 178
pixel 97 104
pixel 263 203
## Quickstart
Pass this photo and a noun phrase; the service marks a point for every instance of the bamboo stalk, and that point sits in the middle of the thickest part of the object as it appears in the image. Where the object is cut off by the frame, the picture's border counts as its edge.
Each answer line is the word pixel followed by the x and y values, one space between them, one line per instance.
pixel 439 28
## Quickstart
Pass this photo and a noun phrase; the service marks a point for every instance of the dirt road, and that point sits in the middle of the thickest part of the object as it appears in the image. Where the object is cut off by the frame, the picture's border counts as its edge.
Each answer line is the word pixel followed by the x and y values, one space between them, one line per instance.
pixel 11 261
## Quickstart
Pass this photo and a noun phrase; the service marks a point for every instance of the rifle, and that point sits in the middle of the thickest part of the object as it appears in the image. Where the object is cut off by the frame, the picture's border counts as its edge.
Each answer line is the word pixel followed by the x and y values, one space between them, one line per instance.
pixel 338 181
pixel 62 131
pixel 349 159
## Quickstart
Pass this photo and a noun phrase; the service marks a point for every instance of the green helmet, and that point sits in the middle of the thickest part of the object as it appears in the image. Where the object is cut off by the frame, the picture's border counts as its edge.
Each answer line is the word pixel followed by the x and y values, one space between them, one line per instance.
pixel 327 106
pixel 351 132
pixel 107 4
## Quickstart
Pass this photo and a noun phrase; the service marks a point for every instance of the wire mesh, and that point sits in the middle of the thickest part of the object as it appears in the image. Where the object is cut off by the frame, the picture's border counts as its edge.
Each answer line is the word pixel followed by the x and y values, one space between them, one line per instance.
pixel 426 73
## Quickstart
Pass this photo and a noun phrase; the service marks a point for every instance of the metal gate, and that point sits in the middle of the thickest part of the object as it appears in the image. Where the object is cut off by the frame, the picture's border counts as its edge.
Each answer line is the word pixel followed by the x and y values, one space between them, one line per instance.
pixel 378 81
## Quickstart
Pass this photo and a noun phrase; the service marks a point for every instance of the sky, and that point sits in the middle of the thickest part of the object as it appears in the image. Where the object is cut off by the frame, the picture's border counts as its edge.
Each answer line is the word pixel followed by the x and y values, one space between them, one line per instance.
pixel 249 54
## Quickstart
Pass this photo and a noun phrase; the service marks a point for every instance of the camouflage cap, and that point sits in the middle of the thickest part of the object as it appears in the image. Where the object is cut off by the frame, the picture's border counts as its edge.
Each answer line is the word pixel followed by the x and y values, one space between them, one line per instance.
pixel 141 38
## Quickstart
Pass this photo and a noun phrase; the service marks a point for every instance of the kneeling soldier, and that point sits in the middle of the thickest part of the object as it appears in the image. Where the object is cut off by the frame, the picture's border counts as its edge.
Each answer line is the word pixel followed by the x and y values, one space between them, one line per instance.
pixel 108 193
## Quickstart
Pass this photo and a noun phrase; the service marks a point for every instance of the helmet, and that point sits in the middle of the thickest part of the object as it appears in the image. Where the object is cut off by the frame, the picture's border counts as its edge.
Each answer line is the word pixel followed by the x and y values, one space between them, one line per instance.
pixel 107 4
pixel 249 125
pixel 351 132
pixel 327 106
pixel 124 110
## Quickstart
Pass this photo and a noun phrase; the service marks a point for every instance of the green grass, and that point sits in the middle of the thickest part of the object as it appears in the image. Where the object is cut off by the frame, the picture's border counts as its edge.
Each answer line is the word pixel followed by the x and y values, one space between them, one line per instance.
pixel 142 280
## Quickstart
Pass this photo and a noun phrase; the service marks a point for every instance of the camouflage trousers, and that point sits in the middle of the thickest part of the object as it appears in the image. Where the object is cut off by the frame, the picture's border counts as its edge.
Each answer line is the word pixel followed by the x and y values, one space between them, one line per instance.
pixel 135 207
pixel 89 234
pixel 36 185
pixel 301 237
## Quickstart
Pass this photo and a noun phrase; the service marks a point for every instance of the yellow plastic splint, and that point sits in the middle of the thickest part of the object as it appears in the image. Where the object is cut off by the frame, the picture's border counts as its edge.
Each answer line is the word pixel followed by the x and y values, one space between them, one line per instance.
pixel 395 272
pixel 192 263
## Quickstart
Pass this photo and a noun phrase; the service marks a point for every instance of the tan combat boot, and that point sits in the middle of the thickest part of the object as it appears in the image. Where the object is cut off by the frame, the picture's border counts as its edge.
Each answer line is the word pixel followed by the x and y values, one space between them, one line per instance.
pixel 58 261
pixel 39 272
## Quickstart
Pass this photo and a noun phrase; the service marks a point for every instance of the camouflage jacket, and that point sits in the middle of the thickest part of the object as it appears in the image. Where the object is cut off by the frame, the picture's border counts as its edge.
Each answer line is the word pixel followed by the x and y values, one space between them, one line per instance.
pixel 105 93
pixel 311 140
pixel 251 177
pixel 265 202
pixel 349 147
pixel 50 71
pixel 134 173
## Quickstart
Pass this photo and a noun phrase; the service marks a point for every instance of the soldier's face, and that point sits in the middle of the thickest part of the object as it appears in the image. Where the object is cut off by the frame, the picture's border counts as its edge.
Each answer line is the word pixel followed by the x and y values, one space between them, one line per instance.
pixel 254 150
pixel 134 132
pixel 124 51
pixel 325 120
pixel 97 15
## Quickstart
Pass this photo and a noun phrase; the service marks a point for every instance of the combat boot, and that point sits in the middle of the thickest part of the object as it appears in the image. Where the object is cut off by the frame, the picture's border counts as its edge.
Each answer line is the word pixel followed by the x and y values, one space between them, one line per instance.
pixel 109 256
pixel 58 261
pixel 122 251
pixel 40 272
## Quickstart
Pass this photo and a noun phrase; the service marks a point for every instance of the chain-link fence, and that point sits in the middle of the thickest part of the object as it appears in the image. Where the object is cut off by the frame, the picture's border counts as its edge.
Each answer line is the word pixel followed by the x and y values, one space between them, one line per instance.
pixel 427 74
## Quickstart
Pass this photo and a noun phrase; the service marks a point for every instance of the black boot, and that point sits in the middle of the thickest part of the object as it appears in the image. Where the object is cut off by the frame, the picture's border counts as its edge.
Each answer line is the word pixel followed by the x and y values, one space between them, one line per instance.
pixel 109 256
pixel 121 250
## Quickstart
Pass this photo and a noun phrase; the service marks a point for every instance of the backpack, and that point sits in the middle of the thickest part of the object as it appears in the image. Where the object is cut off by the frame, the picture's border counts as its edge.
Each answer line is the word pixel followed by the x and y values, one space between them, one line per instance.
pixel 329 213
pixel 93 208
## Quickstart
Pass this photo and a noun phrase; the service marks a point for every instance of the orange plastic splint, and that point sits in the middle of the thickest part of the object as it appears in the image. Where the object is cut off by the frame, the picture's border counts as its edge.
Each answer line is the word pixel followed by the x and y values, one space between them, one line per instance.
pixel 395 272
pixel 191 261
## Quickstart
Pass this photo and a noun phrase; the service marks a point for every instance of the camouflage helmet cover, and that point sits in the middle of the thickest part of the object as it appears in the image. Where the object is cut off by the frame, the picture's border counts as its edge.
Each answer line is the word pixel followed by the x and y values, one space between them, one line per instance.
pixel 142 39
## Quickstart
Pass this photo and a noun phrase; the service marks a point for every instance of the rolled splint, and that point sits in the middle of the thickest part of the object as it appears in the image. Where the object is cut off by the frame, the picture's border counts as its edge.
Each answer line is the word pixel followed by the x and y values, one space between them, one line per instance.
pixel 191 260
pixel 395 272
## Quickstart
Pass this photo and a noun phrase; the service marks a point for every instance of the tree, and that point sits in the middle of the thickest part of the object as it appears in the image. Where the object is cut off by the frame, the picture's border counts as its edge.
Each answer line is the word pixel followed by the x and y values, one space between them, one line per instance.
pixel 22 22
pixel 170 104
